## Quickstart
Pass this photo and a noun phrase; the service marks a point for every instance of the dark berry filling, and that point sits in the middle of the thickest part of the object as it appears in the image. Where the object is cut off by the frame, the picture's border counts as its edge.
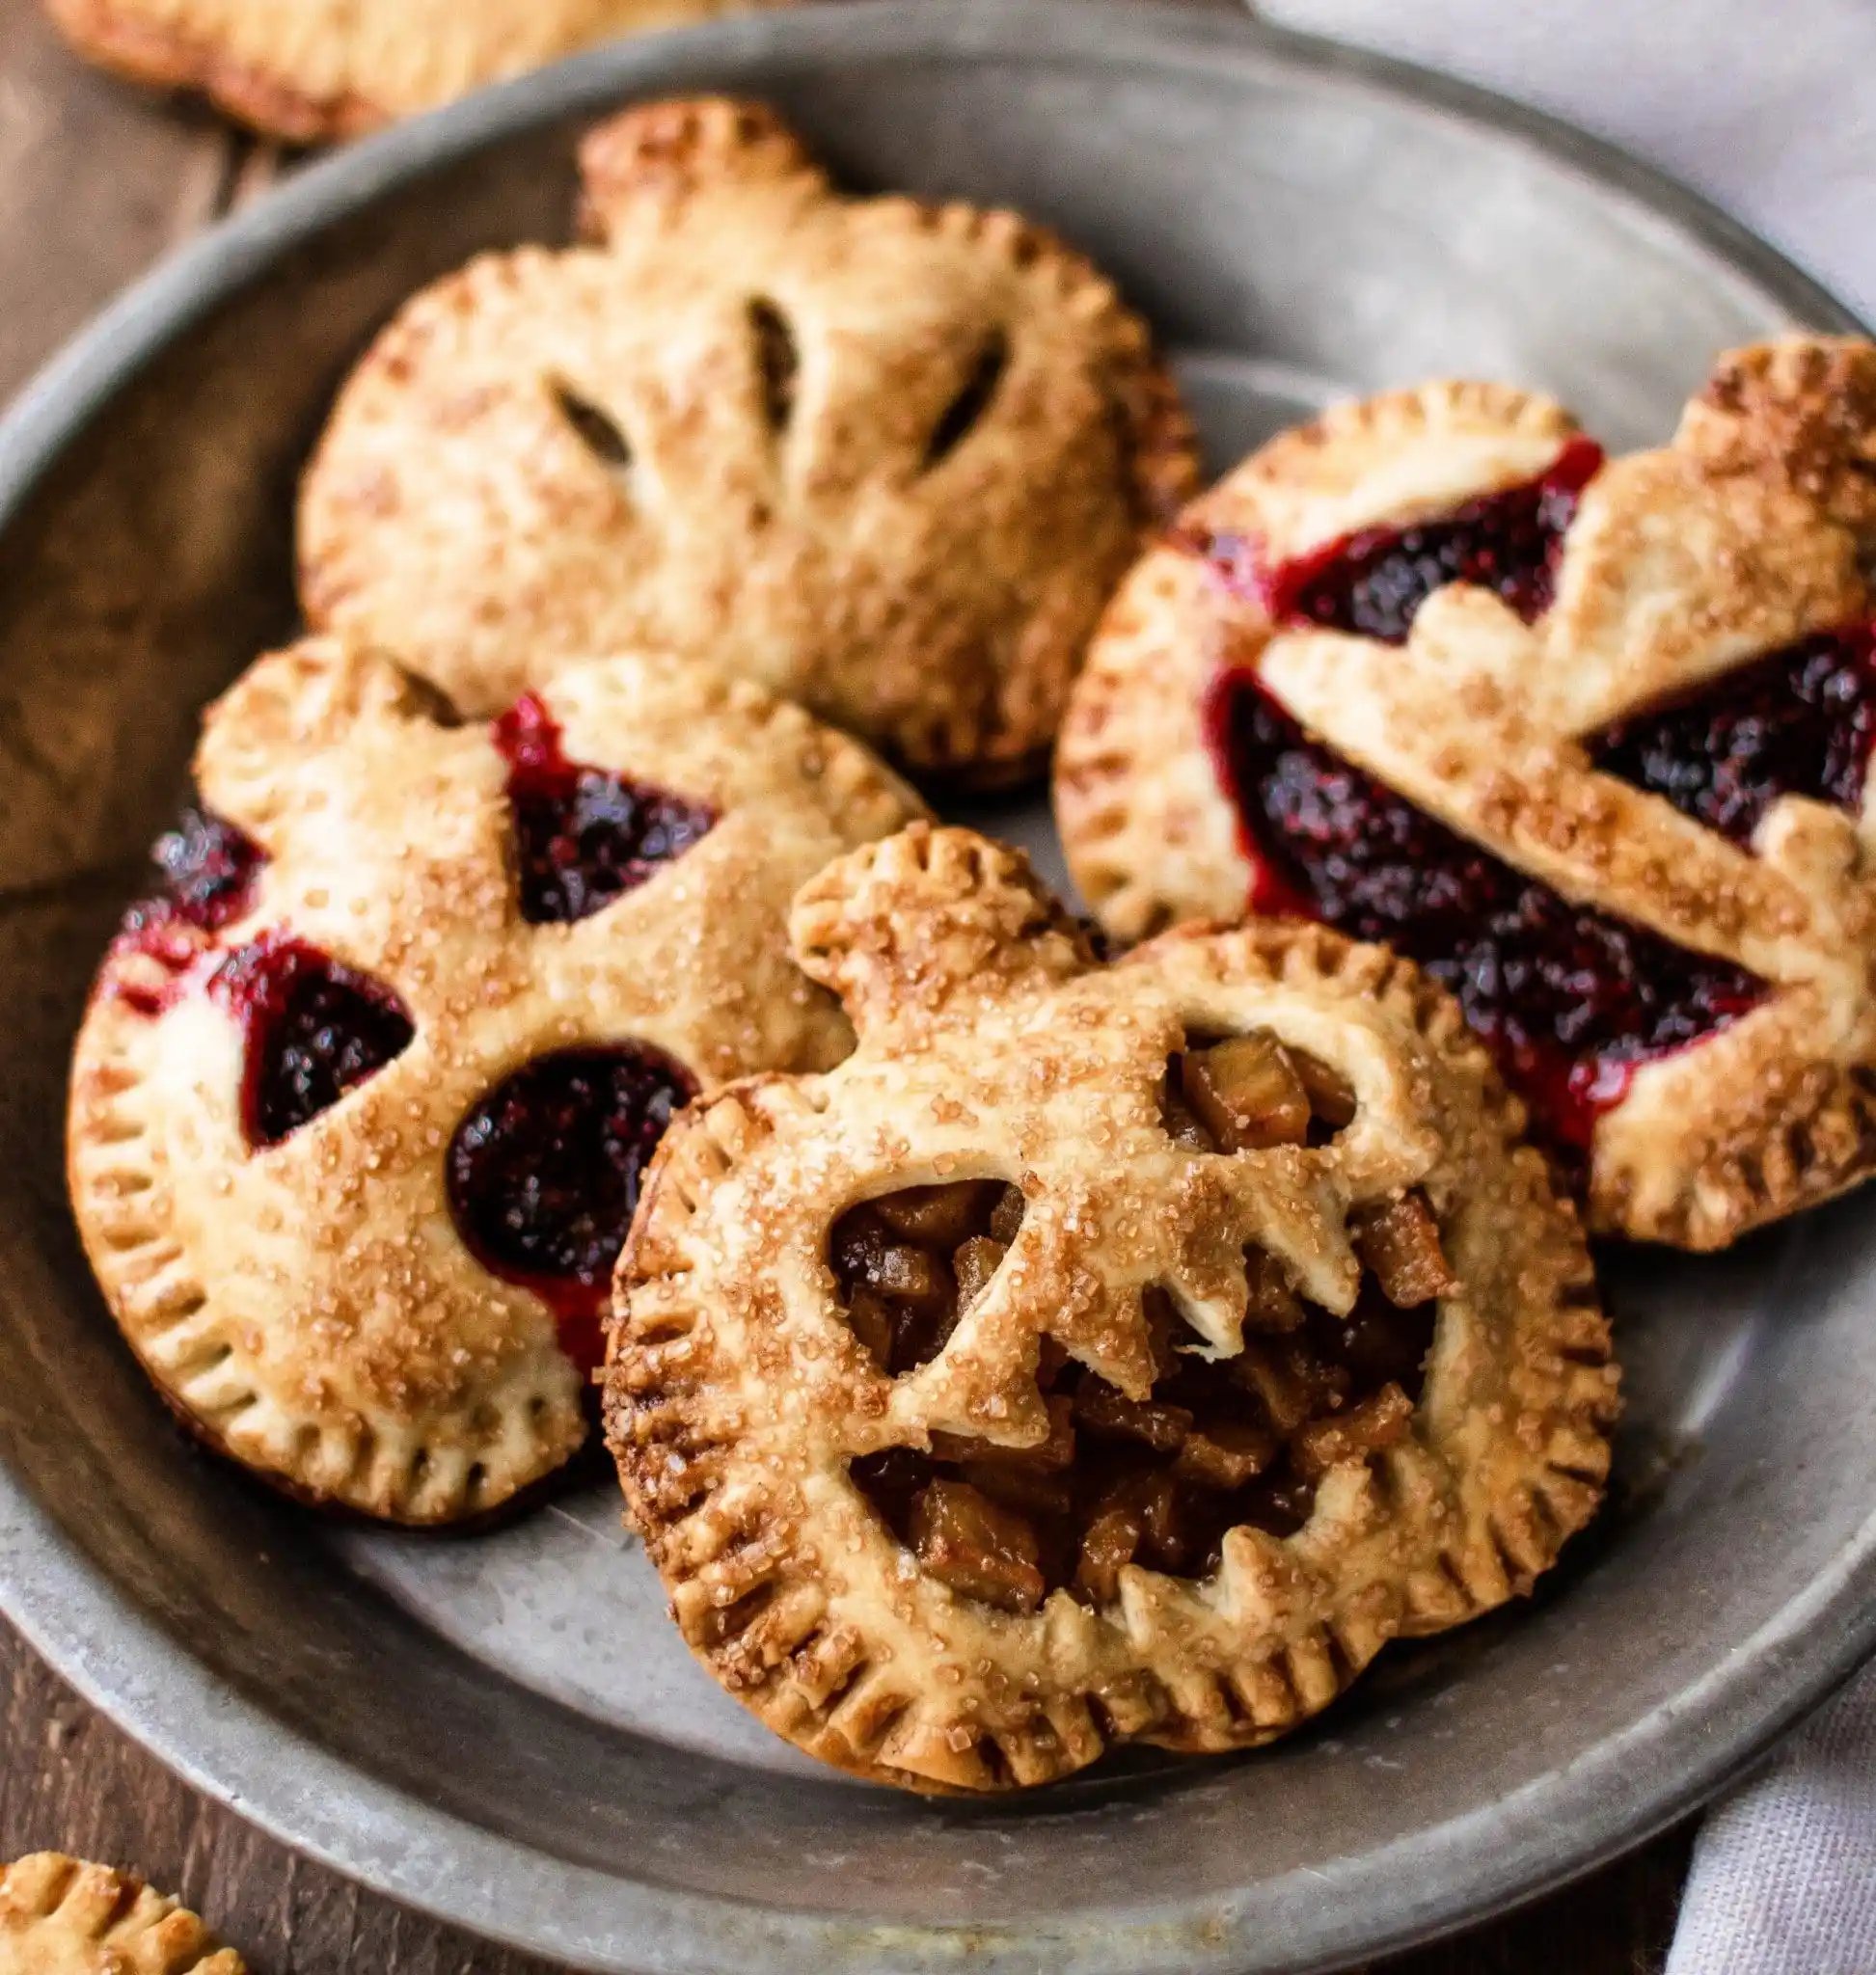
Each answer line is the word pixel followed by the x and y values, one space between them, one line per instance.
pixel 1798 722
pixel 544 1173
pixel 1155 1481
pixel 208 870
pixel 583 835
pixel 1571 1000
pixel 1373 583
pixel 312 1028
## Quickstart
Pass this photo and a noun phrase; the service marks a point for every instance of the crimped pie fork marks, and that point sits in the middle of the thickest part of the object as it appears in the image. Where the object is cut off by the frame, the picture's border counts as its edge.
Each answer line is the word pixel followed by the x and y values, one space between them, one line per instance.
pixel 1586 738
pixel 309 72
pixel 358 1110
pixel 887 458
pixel 1097 1353
pixel 60 1916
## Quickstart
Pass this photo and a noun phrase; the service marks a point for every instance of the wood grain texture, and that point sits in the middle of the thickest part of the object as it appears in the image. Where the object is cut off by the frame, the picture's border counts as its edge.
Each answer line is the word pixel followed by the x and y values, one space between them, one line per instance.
pixel 98 180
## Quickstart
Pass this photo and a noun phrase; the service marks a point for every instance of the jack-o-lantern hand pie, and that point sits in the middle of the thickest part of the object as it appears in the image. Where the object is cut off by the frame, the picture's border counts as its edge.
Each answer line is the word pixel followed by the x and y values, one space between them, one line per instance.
pixel 1100 1352
pixel 889 459
pixel 359 1106
pixel 1587 738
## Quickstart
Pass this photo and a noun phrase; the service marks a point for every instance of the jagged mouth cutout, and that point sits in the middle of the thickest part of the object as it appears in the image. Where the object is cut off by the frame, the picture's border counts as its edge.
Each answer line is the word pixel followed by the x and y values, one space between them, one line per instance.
pixel 1217 1445
pixel 1572 1001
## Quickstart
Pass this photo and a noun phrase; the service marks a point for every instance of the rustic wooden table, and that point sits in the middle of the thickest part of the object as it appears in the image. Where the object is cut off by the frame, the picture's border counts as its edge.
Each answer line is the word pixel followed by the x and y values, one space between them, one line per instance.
pixel 96 182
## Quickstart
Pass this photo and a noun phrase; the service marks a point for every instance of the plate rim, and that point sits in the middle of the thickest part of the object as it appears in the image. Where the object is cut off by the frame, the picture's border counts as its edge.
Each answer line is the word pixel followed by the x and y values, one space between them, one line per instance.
pixel 234 1751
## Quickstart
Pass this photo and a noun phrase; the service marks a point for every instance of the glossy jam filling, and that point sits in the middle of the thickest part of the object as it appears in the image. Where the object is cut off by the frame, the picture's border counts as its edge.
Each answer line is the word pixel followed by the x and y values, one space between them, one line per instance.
pixel 544 1173
pixel 583 835
pixel 312 1029
pixel 1571 1000
pixel 1373 583
pixel 1797 722
pixel 208 868
pixel 1155 1481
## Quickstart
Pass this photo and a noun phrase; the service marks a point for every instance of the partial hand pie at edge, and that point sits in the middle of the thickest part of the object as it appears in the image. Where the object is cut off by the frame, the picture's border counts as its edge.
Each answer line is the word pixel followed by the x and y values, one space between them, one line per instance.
pixel 359 1109
pixel 981 1400
pixel 61 1916
pixel 1617 712
pixel 887 458
pixel 305 72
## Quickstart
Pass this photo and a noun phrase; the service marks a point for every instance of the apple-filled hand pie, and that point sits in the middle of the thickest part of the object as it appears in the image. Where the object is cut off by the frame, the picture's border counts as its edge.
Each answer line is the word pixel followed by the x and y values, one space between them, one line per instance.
pixel 883 457
pixel 1098 1353
pixel 311 70
pixel 362 1102
pixel 1586 738
pixel 60 1916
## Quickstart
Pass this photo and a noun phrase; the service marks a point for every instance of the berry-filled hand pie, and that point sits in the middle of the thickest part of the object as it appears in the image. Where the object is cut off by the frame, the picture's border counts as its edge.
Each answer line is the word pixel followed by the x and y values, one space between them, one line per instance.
pixel 362 1102
pixel 60 1916
pixel 308 70
pixel 1099 1352
pixel 886 458
pixel 1587 738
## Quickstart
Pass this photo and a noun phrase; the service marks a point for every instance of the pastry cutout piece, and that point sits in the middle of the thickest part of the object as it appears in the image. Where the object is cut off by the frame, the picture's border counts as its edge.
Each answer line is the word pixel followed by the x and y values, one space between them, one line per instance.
pixel 60 1916
pixel 887 459
pixel 308 71
pixel 1098 1353
pixel 355 1135
pixel 1586 738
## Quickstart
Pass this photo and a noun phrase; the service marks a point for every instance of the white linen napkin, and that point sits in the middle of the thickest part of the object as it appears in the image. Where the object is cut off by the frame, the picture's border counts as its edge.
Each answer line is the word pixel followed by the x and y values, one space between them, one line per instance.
pixel 1770 111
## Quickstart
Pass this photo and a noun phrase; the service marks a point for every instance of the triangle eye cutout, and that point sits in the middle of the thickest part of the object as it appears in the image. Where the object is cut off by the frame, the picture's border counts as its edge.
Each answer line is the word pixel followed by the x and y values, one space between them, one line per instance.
pixel 584 836
pixel 312 1028
pixel 1373 583
pixel 1799 721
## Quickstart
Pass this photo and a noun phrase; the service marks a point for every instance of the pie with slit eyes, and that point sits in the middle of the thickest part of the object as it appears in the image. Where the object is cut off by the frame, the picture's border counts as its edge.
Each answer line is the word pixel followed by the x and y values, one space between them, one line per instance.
pixel 363 1100
pixel 60 1916
pixel 887 458
pixel 309 71
pixel 1098 1353
pixel 1586 738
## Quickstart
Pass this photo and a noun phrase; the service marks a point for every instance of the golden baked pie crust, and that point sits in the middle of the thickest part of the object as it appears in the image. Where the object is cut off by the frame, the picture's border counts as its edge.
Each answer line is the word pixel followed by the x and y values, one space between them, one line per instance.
pixel 1753 529
pixel 307 1305
pixel 308 71
pixel 60 1916
pixel 887 458
pixel 992 1045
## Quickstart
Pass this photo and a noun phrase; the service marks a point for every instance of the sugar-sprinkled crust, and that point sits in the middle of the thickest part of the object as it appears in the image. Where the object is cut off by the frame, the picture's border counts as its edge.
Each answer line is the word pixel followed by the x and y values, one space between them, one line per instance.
pixel 1753 529
pixel 60 1916
pixel 307 1305
pixel 991 1044
pixel 308 71
pixel 884 457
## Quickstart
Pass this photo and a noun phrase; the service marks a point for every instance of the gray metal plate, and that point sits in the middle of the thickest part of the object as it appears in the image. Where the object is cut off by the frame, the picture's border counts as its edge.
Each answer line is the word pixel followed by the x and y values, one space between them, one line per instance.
pixel 503 1728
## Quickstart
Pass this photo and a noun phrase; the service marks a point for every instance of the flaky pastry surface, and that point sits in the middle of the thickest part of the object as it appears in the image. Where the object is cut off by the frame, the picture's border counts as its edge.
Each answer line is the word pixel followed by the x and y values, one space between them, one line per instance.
pixel 886 458
pixel 307 1305
pixel 311 70
pixel 1753 529
pixel 993 1046
pixel 60 1916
